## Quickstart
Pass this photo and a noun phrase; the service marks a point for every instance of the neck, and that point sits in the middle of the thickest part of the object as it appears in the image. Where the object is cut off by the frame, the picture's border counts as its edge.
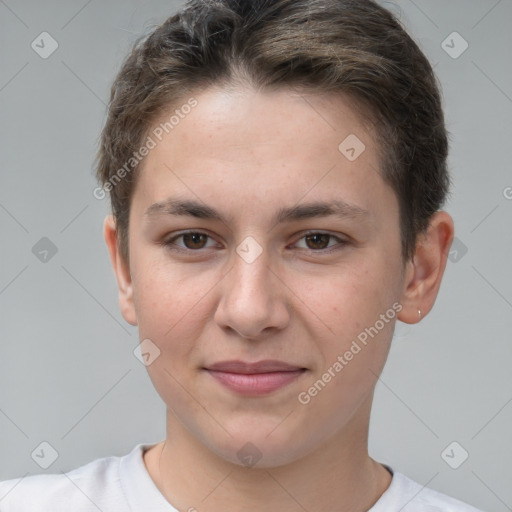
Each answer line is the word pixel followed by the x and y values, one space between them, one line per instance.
pixel 338 476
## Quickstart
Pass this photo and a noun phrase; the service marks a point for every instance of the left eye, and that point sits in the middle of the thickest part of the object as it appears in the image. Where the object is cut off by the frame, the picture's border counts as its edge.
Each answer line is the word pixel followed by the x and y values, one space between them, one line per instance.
pixel 320 238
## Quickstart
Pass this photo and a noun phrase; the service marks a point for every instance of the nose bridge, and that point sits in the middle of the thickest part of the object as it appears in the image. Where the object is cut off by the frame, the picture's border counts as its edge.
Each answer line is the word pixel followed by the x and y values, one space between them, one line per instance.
pixel 251 273
pixel 252 299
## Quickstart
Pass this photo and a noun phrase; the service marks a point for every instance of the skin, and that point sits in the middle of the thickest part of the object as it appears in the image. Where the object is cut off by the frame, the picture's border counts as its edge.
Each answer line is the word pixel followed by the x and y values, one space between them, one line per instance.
pixel 248 153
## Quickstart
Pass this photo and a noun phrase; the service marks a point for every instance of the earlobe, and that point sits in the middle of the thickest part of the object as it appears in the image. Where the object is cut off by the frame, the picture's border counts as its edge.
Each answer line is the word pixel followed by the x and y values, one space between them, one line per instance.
pixel 425 270
pixel 121 271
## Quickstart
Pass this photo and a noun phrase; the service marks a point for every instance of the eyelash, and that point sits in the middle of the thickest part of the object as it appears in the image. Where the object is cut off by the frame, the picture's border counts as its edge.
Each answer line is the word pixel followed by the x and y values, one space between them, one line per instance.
pixel 169 242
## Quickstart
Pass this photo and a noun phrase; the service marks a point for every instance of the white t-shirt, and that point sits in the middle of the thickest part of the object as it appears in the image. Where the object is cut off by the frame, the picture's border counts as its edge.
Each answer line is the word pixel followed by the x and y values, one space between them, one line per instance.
pixel 123 484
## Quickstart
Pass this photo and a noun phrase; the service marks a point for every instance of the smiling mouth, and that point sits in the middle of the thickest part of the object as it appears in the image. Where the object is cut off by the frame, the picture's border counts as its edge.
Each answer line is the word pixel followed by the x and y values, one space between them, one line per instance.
pixel 255 378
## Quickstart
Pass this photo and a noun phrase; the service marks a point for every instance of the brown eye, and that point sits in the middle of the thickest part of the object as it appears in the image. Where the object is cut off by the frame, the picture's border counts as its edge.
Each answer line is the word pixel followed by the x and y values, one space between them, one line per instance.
pixel 319 240
pixel 194 240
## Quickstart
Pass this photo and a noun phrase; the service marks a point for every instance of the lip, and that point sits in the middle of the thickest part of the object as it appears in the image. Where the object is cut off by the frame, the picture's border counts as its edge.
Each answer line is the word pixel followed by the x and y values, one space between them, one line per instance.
pixel 264 366
pixel 257 378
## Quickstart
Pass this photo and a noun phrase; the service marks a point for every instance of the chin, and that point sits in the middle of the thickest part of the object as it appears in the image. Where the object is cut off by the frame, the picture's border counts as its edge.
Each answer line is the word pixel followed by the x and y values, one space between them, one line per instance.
pixel 255 448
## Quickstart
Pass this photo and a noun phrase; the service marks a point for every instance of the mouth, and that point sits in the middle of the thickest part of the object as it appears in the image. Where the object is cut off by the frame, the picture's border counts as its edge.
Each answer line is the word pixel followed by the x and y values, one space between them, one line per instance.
pixel 257 378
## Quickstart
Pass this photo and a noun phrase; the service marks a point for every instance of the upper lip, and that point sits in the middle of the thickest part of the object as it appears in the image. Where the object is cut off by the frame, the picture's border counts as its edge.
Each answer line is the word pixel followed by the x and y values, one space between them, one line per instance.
pixel 265 366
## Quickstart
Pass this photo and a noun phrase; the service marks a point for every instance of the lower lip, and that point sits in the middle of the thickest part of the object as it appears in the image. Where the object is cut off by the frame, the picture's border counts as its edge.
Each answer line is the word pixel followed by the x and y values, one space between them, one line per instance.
pixel 255 383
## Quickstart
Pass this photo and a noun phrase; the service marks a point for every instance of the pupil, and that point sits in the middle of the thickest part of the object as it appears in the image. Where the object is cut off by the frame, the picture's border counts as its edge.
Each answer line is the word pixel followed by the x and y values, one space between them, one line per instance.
pixel 317 236
pixel 194 236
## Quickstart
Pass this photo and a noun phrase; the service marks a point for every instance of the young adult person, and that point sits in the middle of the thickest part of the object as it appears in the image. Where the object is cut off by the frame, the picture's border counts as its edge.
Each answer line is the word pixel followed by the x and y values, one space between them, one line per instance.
pixel 276 170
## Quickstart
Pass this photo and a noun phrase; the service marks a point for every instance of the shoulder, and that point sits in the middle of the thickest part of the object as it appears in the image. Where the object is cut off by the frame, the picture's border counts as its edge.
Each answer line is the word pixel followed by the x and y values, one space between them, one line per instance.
pixel 406 495
pixel 89 487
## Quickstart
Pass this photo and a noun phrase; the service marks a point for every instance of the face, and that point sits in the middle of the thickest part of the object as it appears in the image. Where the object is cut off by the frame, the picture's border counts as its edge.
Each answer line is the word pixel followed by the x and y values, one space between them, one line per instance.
pixel 270 277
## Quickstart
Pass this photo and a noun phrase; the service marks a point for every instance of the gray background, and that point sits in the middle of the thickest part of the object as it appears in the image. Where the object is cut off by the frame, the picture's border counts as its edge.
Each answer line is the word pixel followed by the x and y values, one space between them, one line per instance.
pixel 68 374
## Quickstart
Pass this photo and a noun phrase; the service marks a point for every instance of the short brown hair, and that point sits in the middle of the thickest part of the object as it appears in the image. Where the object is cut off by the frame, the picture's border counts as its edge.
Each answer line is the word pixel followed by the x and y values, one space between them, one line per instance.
pixel 351 47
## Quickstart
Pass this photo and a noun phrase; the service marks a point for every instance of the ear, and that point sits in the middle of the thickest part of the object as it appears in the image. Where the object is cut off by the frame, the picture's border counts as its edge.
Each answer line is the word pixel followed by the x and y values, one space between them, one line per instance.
pixel 424 272
pixel 121 270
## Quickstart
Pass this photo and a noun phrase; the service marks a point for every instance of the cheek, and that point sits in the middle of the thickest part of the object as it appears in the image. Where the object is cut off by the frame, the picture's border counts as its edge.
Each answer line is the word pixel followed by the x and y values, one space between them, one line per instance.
pixel 165 294
pixel 171 314
pixel 352 358
pixel 353 298
pixel 175 307
pixel 360 306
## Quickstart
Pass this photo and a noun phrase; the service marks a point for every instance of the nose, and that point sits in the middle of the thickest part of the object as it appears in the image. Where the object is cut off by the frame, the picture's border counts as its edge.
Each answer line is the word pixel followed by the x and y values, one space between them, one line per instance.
pixel 254 300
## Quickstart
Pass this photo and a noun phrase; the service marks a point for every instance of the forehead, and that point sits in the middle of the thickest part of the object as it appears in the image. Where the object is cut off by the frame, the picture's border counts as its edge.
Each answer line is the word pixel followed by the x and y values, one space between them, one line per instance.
pixel 268 146
pixel 244 117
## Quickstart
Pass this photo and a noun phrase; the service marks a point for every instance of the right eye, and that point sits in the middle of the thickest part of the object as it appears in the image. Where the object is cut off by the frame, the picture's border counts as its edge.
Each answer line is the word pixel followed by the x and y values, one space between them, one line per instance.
pixel 193 241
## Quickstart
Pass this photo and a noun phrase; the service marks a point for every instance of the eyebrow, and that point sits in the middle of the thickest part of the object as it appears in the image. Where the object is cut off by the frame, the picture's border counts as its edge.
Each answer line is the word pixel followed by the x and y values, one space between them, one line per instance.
pixel 192 208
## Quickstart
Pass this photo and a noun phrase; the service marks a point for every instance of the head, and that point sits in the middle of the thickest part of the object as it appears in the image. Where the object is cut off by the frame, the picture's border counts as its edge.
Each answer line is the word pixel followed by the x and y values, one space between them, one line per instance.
pixel 257 112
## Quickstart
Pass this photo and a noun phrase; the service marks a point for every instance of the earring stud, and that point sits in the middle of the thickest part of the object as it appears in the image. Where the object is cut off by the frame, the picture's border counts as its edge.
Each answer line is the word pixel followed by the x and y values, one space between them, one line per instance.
pixel 419 315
